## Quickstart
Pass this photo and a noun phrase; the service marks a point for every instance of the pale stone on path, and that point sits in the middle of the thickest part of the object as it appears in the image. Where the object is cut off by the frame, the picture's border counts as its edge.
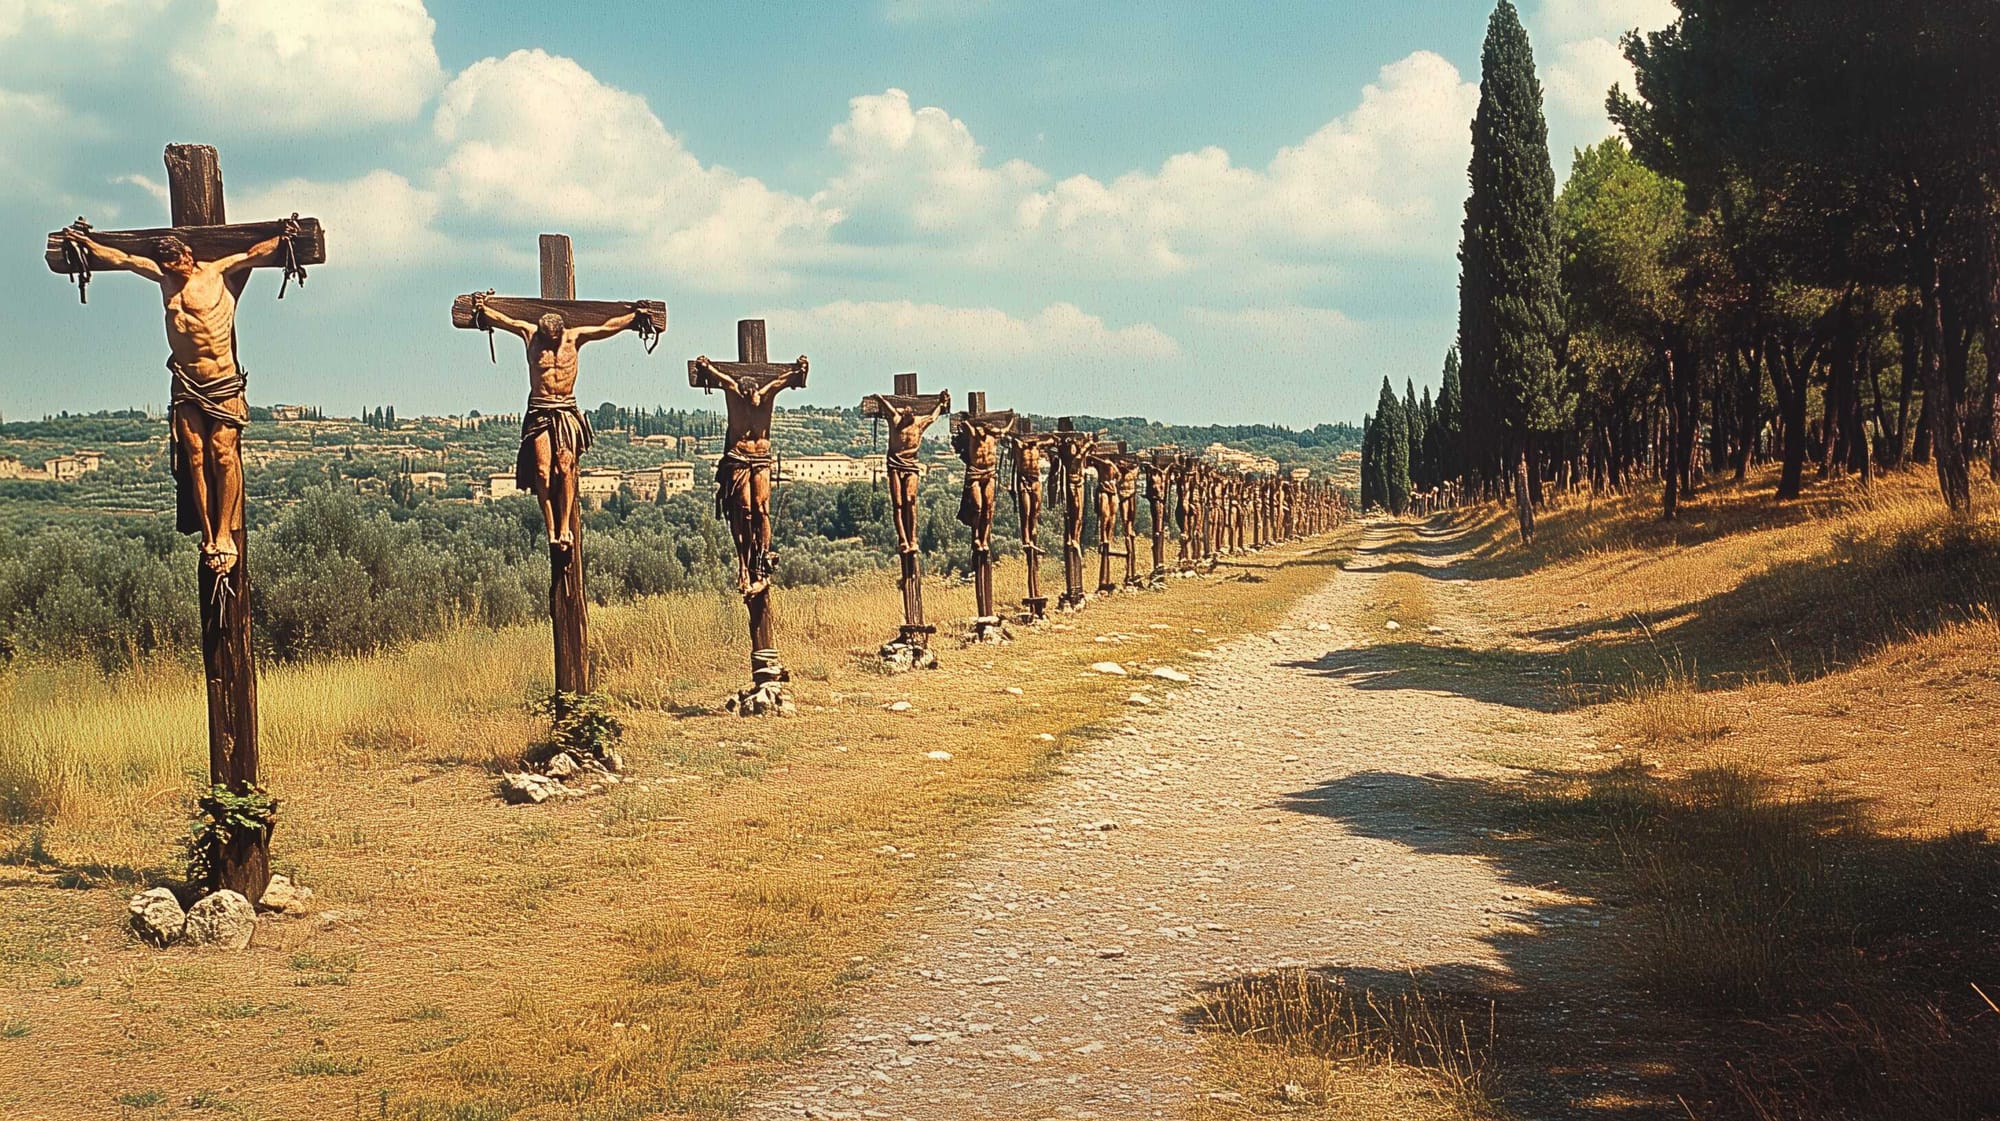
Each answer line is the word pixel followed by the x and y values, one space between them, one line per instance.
pixel 938 756
pixel 225 920
pixel 157 917
pixel 1168 673
pixel 284 896
pixel 1112 669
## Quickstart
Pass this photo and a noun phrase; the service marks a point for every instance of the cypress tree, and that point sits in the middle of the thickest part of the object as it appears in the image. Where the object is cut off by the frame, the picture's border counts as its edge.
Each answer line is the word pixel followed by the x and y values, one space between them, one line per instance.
pixel 1510 293
pixel 1371 462
pixel 1413 424
pixel 1395 453
pixel 1426 433
pixel 1451 463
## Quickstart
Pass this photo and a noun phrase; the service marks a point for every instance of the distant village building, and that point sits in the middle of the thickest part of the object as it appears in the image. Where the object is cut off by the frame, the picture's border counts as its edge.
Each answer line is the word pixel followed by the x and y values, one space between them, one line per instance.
pixel 676 478
pixel 11 468
pixel 657 440
pixel 826 467
pixel 429 480
pixel 291 412
pixel 70 468
pixel 1226 456
pixel 500 484
pixel 598 484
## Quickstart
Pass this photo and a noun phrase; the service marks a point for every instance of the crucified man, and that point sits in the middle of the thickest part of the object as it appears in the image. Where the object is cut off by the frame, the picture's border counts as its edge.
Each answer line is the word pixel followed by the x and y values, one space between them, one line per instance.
pixel 207 407
pixel 743 475
pixel 554 432
pixel 906 434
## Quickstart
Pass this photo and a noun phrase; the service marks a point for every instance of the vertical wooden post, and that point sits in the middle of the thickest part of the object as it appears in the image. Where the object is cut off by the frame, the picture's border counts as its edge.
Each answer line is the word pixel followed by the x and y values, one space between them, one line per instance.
pixel 751 346
pixel 194 188
pixel 982 559
pixel 568 606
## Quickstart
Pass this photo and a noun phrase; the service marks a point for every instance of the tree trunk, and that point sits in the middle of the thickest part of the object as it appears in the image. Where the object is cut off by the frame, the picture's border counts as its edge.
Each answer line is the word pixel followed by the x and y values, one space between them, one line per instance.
pixel 1788 376
pixel 1524 508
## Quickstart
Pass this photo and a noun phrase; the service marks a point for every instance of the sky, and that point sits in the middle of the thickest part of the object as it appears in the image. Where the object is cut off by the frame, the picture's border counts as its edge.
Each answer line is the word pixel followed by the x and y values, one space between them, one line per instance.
pixel 1197 212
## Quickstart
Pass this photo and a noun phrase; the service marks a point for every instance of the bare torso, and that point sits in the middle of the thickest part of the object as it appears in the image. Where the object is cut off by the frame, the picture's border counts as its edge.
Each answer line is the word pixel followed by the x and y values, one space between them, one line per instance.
pixel 750 424
pixel 551 366
pixel 201 324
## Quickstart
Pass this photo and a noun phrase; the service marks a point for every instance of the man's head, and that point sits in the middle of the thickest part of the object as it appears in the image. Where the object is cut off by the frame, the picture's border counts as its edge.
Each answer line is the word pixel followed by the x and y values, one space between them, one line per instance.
pixel 551 326
pixel 174 255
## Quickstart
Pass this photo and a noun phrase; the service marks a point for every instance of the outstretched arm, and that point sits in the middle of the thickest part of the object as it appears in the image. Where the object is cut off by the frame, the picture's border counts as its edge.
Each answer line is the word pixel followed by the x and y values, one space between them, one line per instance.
pixel 117 258
pixel 604 330
pixel 263 253
pixel 488 315
pixel 793 375
pixel 712 370
pixel 942 407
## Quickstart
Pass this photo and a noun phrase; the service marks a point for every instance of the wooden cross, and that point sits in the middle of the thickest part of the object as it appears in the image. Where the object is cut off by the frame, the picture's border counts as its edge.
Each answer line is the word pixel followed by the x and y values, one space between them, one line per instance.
pixel 194 190
pixel 919 410
pixel 752 383
pixel 981 495
pixel 568 606
pixel 1028 447
pixel 1159 468
pixel 1073 450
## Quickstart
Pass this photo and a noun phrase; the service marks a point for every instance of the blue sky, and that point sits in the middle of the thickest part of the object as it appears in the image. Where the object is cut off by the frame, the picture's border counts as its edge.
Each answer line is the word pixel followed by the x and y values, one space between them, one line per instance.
pixel 1188 211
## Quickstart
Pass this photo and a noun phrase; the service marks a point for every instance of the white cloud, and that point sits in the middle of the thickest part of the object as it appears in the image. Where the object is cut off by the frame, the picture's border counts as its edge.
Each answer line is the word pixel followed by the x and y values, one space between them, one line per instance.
pixel 914 173
pixel 312 64
pixel 938 335
pixel 100 19
pixel 376 221
pixel 1381 178
pixel 1567 20
pixel 534 139
pixel 1284 327
pixel 1582 73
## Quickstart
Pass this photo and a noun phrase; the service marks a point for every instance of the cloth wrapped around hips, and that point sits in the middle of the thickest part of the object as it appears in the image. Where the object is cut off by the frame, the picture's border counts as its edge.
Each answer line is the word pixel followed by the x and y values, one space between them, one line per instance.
pixel 568 429
pixel 214 399
pixel 733 473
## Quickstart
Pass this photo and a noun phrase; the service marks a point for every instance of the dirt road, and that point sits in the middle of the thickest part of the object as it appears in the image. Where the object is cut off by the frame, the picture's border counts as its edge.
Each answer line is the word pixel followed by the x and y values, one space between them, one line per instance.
pixel 1281 811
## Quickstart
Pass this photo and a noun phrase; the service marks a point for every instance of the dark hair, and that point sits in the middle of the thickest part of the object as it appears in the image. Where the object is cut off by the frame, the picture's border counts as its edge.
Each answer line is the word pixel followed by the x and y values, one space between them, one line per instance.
pixel 170 248
pixel 554 318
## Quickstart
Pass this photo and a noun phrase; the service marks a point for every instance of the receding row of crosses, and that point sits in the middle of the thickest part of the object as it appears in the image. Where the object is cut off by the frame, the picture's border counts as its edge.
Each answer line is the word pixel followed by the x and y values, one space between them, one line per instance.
pixel 202 264
pixel 1219 511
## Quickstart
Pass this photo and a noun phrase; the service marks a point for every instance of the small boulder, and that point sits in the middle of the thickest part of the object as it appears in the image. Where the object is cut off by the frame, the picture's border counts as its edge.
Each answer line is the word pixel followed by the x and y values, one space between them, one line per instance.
pixel 1112 669
pixel 1392 625
pixel 284 896
pixel 1138 700
pixel 938 756
pixel 1168 673
pixel 225 920
pixel 157 917
pixel 562 765
pixel 524 788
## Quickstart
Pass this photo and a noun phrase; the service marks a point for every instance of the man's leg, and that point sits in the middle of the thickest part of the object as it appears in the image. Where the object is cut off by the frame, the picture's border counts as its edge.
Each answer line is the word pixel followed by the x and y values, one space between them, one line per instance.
pixel 562 497
pixel 191 433
pixel 904 504
pixel 544 481
pixel 759 493
pixel 225 489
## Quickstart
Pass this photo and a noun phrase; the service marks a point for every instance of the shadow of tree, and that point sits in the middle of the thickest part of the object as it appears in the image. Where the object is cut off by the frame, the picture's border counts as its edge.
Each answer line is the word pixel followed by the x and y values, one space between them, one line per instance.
pixel 1740 953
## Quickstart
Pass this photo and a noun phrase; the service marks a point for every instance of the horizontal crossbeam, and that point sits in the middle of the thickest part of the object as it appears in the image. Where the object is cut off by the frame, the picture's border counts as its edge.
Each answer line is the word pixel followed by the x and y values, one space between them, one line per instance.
pixel 921 403
pixel 575 313
pixel 751 376
pixel 209 243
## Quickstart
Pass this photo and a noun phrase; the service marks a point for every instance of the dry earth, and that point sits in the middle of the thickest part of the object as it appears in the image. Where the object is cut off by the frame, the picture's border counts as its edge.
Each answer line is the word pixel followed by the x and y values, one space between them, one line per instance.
pixel 1289 807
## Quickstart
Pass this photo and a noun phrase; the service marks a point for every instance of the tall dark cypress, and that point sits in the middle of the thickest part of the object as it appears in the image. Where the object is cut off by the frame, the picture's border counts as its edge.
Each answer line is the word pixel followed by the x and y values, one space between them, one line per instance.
pixel 1510 289
pixel 1413 428
pixel 1371 463
pixel 1451 462
pixel 1395 453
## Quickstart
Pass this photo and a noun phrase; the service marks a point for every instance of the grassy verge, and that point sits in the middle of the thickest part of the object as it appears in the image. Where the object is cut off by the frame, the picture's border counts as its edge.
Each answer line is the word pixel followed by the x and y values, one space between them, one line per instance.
pixel 653 950
pixel 1794 801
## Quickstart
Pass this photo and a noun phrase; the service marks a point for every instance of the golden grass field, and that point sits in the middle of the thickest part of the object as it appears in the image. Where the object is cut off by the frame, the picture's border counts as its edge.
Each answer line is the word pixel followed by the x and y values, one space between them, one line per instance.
pixel 651 950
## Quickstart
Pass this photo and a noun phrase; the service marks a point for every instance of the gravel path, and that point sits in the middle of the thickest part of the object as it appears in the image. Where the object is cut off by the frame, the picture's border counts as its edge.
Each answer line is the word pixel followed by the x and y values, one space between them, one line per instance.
pixel 1256 823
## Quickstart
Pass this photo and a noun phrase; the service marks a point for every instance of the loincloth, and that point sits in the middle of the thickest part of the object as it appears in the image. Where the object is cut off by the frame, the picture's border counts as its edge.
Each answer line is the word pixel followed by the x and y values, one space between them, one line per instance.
pixel 968 506
pixel 567 428
pixel 733 473
pixel 212 399
pixel 903 464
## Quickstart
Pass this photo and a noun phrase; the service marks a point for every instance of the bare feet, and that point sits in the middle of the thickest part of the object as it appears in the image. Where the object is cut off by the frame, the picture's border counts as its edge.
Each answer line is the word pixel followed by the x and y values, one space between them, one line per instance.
pixel 219 556
pixel 562 541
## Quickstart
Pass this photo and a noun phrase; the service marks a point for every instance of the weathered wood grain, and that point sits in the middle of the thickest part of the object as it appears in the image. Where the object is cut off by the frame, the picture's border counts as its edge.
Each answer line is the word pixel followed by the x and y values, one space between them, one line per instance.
pixel 575 313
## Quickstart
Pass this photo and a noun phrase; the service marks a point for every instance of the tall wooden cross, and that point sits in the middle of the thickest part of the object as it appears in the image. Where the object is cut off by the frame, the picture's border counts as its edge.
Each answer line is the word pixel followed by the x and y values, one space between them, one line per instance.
pixel 1072 449
pixel 1159 468
pixel 194 190
pixel 1108 457
pixel 568 606
pixel 976 434
pixel 1029 447
pixel 743 493
pixel 908 413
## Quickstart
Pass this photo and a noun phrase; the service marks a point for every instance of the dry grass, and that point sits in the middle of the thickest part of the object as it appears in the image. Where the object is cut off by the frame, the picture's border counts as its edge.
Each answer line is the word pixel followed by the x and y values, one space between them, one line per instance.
pixel 1301 1043
pixel 1799 702
pixel 650 951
